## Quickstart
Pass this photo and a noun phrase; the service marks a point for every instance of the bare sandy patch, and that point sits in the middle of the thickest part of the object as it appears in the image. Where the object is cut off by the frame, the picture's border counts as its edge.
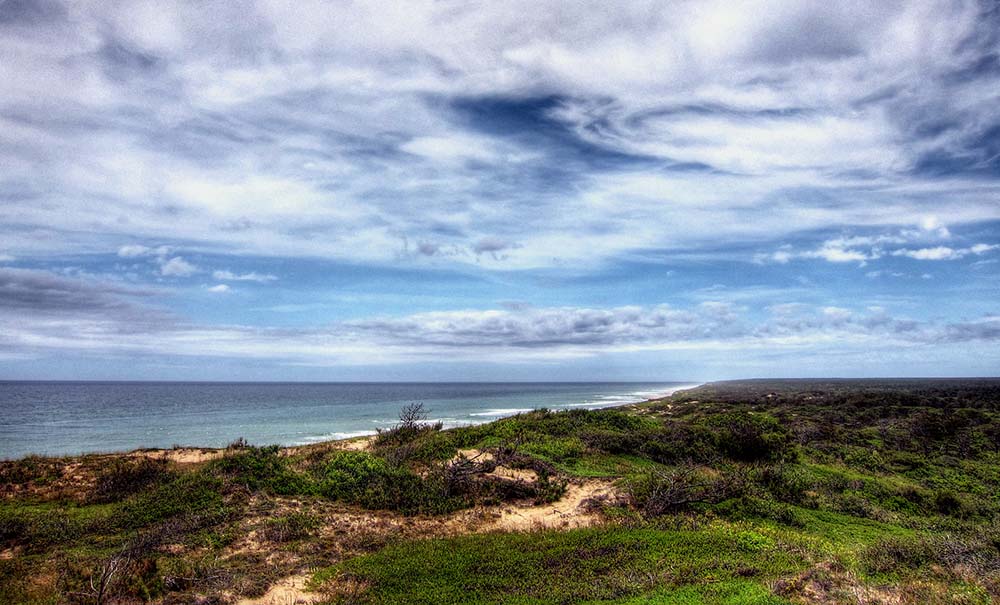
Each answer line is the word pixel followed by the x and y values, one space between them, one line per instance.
pixel 477 455
pixel 287 591
pixel 357 443
pixel 182 455
pixel 570 511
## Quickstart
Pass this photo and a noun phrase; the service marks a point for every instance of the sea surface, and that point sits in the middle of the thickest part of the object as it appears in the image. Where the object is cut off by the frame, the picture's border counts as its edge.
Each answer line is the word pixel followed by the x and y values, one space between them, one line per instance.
pixel 60 418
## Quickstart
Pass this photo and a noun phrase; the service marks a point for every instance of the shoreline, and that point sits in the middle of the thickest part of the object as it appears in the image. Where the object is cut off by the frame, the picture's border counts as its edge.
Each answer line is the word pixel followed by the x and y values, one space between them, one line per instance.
pixel 194 454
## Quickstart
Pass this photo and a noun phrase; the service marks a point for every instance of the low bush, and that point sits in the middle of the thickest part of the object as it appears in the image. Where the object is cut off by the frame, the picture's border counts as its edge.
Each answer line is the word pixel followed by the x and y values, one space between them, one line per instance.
pixel 29 469
pixel 288 528
pixel 372 482
pixel 39 527
pixel 947 502
pixel 751 437
pixel 559 450
pixel 955 553
pixel 189 494
pixel 786 482
pixel 549 489
pixel 660 492
pixel 261 469
pixel 126 476
pixel 348 473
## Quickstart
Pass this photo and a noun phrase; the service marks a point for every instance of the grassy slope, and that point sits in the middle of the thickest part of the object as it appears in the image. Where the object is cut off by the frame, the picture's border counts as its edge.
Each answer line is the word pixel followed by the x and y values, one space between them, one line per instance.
pixel 740 492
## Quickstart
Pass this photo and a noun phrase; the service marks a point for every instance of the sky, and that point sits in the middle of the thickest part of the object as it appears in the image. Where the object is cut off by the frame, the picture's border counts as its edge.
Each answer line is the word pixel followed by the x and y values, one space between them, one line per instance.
pixel 498 191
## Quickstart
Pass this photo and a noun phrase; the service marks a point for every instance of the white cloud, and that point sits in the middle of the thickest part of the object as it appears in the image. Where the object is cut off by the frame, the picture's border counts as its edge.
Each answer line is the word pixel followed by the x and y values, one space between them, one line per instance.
pixel 138 251
pixel 78 316
pixel 945 252
pixel 861 249
pixel 835 254
pixel 225 275
pixel 177 267
pixel 133 251
pixel 936 253
pixel 345 135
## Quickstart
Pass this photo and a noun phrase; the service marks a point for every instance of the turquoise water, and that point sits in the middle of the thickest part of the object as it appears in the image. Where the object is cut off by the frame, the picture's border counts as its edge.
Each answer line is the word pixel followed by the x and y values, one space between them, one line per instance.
pixel 58 418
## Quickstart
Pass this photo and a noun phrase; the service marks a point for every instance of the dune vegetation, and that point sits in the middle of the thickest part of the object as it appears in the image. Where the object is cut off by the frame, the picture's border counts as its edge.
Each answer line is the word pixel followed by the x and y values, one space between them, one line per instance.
pixel 735 492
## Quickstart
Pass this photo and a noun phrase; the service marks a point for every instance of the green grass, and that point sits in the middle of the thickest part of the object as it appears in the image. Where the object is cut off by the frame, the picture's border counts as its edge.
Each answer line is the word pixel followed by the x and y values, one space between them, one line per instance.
pixel 727 562
pixel 728 592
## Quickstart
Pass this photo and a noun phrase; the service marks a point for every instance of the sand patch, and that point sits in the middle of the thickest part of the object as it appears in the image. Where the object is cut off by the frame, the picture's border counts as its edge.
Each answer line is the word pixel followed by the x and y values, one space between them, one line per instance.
pixel 9 553
pixel 359 444
pixel 514 474
pixel 287 591
pixel 568 512
pixel 477 455
pixel 182 455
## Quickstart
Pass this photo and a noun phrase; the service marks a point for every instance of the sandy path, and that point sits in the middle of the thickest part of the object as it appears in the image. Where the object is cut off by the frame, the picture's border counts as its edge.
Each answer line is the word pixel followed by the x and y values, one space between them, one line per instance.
pixel 568 512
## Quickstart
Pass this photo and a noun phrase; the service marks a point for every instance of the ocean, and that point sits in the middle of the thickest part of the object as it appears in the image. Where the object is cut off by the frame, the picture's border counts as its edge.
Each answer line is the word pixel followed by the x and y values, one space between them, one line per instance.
pixel 64 418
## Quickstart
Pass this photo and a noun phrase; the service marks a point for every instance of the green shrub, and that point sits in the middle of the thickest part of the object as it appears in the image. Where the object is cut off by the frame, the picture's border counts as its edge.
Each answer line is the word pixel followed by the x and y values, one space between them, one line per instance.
pixel 288 528
pixel 29 469
pixel 857 505
pixel 559 450
pixel 549 489
pixel 434 446
pixel 261 469
pixel 759 508
pixel 126 476
pixel 947 502
pixel 660 492
pixel 189 494
pixel 370 481
pixel 787 483
pixel 751 437
pixel 348 473
pixel 13 526
pixel 38 527
pixel 665 444
pixel 962 554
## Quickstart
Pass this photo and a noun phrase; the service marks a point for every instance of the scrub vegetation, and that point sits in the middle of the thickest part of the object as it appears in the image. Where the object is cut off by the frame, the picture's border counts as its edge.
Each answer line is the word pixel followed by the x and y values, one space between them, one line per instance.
pixel 736 492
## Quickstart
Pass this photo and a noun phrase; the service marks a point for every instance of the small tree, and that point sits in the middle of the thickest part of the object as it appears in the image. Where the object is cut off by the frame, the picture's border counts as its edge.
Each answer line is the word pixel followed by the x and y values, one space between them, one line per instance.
pixel 412 423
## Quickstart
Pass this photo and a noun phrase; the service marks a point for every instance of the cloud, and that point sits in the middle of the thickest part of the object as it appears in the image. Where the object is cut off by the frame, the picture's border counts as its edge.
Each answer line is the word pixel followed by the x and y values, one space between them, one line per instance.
pixel 536 328
pixel 89 317
pixel 861 249
pixel 838 250
pixel 177 267
pixel 134 251
pixel 30 291
pixel 644 128
pixel 492 246
pixel 513 148
pixel 945 252
pixel 219 289
pixel 225 275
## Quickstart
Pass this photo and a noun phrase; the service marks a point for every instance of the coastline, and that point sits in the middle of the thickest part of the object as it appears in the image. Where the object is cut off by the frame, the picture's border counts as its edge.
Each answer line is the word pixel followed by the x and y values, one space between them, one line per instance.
pixel 194 455
pixel 201 440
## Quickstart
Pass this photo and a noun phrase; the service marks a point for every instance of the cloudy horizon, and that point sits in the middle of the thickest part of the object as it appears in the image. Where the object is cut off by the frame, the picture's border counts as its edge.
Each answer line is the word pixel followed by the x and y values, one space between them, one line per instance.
pixel 509 191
